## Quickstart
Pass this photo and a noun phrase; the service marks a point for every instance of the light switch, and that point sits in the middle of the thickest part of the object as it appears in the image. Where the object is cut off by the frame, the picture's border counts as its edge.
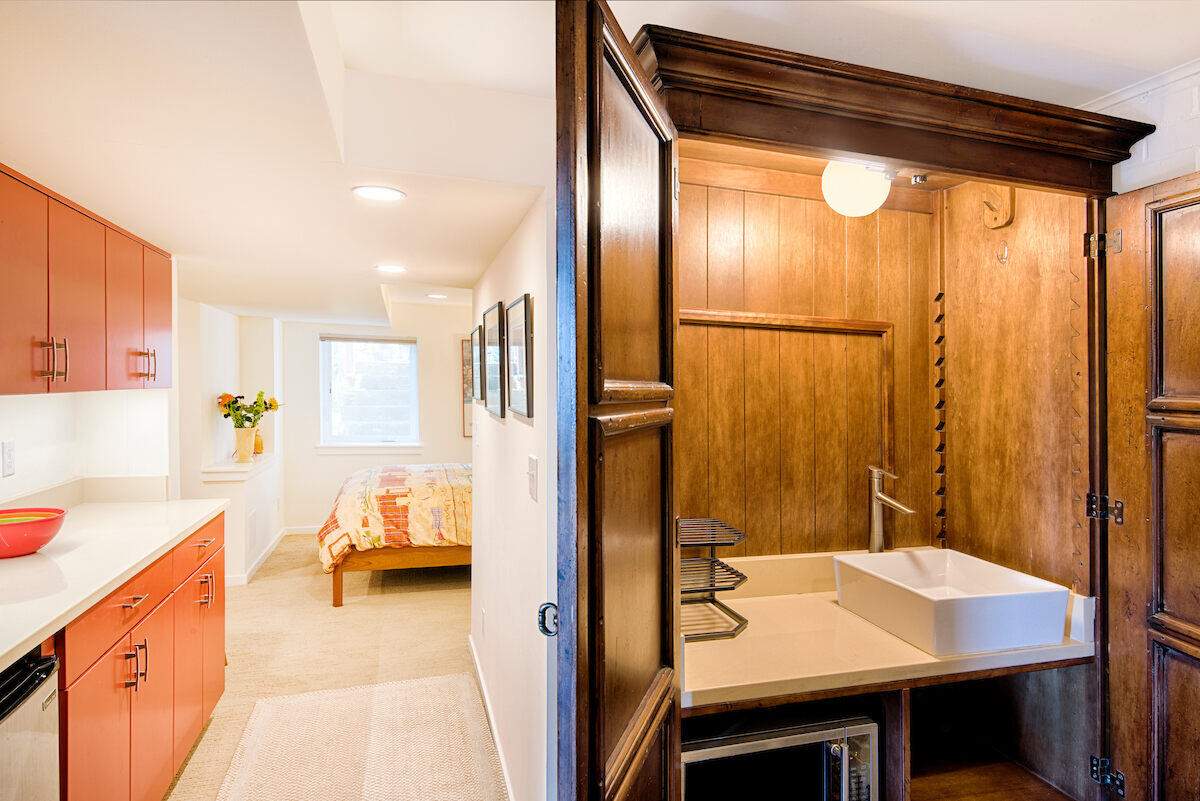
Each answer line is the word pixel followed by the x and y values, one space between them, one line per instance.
pixel 8 454
pixel 532 472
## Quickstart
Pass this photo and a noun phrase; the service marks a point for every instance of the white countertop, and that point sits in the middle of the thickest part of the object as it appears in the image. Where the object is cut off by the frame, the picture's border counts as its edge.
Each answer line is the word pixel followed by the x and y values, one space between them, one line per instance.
pixel 801 643
pixel 100 547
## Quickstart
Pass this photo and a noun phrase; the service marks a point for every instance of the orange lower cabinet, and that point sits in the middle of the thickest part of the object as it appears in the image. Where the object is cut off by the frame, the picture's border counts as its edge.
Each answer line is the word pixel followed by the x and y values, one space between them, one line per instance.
pixel 151 762
pixel 214 633
pixel 97 709
pixel 189 665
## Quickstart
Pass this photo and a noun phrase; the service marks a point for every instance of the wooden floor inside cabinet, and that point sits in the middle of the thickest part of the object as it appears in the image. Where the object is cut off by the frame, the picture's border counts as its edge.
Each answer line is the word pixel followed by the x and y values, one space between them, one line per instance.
pixel 957 747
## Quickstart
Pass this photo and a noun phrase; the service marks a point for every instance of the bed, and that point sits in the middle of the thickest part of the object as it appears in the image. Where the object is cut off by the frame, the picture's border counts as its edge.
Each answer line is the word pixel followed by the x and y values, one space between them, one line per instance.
pixel 397 517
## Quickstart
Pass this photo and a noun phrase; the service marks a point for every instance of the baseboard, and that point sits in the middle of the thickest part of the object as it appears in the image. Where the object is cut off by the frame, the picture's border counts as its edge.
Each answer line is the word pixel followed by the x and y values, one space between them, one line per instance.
pixel 487 707
pixel 309 530
pixel 237 579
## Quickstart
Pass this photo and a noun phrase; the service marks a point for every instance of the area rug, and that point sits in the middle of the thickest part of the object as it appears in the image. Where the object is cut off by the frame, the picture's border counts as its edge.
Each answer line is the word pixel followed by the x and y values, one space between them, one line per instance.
pixel 418 740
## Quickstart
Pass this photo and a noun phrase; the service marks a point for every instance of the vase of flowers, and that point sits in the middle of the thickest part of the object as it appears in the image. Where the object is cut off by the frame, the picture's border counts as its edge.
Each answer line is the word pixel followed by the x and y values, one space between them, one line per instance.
pixel 245 417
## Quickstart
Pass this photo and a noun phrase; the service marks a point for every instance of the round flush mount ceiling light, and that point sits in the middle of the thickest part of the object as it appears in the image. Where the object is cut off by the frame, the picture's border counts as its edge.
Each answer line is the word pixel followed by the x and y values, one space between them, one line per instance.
pixel 853 190
pixel 390 268
pixel 435 295
pixel 383 193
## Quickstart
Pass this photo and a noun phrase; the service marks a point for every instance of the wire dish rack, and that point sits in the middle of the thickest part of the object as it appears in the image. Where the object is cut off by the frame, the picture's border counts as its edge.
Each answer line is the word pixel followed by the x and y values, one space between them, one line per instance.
pixel 702 577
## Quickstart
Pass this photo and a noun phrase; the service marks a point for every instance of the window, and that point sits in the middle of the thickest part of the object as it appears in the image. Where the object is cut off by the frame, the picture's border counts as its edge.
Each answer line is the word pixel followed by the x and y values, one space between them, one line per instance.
pixel 368 391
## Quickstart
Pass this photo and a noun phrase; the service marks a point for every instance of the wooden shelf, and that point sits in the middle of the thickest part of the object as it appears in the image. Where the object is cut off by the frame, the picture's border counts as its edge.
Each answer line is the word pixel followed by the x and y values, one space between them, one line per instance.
pixel 980 780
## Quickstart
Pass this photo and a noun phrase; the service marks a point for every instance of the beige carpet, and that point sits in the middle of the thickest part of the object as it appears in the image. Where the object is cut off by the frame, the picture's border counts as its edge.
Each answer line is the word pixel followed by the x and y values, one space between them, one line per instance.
pixel 416 740
pixel 283 637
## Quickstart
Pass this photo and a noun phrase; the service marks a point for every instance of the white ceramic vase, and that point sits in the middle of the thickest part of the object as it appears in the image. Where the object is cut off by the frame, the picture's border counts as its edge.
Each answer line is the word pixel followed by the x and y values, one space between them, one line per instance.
pixel 245 444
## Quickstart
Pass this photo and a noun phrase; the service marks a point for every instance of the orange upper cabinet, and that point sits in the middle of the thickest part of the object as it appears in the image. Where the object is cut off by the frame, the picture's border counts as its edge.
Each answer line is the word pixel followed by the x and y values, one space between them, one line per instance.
pixel 128 359
pixel 156 305
pixel 23 310
pixel 76 290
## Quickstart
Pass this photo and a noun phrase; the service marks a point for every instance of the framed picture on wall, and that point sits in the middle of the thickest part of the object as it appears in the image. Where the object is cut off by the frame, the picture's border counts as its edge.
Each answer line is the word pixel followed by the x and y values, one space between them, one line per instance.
pixel 492 363
pixel 476 363
pixel 468 385
pixel 519 347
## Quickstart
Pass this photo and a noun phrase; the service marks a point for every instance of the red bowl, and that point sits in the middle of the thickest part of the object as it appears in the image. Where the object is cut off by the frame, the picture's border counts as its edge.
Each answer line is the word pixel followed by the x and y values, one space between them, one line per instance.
pixel 23 531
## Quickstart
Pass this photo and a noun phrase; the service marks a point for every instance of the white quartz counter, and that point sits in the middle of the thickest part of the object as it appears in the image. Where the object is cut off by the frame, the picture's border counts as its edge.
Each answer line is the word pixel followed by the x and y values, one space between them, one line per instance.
pixel 800 643
pixel 100 547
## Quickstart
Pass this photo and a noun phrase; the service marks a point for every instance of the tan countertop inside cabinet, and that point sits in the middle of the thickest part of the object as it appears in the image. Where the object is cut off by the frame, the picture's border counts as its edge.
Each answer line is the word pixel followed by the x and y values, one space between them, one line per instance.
pixel 801 643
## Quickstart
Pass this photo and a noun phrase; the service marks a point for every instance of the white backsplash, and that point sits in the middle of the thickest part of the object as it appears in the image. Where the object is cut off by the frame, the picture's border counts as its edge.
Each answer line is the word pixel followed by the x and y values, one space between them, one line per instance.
pixel 61 437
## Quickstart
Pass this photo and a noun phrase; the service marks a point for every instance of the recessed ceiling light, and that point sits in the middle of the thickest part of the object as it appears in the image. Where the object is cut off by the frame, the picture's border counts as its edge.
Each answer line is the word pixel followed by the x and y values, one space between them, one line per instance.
pixel 390 268
pixel 435 295
pixel 385 193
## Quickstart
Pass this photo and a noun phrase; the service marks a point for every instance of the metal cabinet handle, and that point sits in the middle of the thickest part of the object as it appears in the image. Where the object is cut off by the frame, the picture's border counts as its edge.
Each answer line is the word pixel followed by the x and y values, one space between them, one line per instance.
pixel 136 673
pixel 207 597
pixel 154 364
pixel 146 355
pixel 65 375
pixel 206 543
pixel 137 599
pixel 142 666
pixel 52 373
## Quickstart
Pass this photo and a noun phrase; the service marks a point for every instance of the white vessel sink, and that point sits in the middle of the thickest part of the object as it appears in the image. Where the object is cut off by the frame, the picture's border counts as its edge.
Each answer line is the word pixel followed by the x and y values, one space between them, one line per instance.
pixel 947 603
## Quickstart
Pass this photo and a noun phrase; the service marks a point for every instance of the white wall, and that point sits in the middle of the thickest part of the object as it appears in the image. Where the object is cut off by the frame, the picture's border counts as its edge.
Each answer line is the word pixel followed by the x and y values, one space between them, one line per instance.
pixel 208 354
pixel 1172 102
pixel 512 538
pixel 313 475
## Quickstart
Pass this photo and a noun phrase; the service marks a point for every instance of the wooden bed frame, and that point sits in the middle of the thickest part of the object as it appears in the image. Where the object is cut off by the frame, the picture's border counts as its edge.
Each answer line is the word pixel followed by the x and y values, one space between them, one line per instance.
pixel 398 559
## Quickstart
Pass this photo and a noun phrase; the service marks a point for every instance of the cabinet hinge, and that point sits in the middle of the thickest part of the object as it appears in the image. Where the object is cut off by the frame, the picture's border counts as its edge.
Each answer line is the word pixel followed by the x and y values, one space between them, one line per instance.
pixel 1109 243
pixel 1100 507
pixel 1104 775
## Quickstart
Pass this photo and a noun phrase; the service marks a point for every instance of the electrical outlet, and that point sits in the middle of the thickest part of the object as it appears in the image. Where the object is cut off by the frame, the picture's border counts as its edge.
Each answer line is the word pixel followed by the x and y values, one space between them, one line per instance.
pixel 532 472
pixel 8 455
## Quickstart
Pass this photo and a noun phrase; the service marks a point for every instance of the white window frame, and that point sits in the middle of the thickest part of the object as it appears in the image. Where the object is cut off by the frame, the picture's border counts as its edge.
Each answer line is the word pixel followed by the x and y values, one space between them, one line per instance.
pixel 330 445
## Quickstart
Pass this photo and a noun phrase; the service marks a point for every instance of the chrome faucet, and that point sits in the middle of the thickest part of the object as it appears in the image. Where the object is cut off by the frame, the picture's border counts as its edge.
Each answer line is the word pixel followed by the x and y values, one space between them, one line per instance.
pixel 878 499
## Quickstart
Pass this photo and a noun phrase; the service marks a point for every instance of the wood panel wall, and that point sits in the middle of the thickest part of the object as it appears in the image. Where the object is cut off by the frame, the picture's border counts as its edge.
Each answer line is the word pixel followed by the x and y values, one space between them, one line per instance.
pixel 775 428
pixel 1016 383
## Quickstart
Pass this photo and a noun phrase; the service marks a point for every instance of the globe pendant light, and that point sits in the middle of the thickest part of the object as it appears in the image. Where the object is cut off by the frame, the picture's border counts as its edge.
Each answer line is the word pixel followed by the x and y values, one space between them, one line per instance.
pixel 853 190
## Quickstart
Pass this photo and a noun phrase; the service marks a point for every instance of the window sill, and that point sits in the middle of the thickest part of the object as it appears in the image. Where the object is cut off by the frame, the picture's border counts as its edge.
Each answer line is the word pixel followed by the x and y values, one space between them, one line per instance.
pixel 369 448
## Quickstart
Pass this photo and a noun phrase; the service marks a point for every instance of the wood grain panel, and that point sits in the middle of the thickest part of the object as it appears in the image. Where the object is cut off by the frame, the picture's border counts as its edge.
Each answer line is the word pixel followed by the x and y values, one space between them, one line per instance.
pixel 692 247
pixel 798 455
pixel 726 227
pixel 124 296
pixel 796 289
pixel 817 296
pixel 762 414
pixel 830 416
pixel 691 422
pixel 1009 350
pixel 631 511
pixel 1177 474
pixel 864 374
pixel 1177 723
pixel 629 249
pixel 727 429
pixel 1179 287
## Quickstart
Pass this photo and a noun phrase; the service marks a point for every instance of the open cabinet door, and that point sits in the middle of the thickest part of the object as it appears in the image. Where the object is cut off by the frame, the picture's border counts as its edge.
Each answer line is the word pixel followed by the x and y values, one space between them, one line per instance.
pixel 1153 276
pixel 618 635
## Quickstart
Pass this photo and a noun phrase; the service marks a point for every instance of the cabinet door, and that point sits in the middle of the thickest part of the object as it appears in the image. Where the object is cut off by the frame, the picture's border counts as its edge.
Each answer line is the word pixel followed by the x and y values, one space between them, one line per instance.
pixel 76 271
pixel 151 762
pixel 97 714
pixel 23 310
pixel 214 632
pixel 189 665
pixel 156 305
pixel 123 291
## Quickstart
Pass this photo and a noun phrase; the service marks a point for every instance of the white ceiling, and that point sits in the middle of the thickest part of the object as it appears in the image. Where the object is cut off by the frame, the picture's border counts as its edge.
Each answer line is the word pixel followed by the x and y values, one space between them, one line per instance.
pixel 230 132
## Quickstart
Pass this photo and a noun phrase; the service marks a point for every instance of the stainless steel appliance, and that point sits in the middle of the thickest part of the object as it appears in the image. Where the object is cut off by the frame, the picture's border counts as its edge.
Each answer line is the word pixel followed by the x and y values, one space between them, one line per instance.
pixel 827 761
pixel 29 730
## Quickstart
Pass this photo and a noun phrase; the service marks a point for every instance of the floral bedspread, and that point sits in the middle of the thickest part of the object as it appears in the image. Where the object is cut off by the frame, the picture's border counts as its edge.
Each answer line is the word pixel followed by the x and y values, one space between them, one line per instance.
pixel 398 506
